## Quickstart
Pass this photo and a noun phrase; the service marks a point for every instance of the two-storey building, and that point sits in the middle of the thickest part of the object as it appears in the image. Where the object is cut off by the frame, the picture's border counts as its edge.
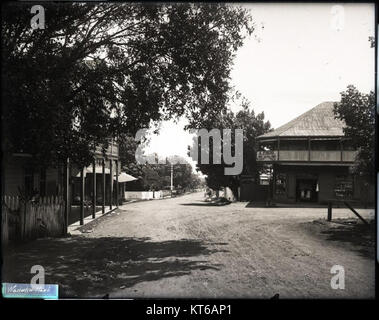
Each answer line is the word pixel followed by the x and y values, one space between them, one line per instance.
pixel 310 159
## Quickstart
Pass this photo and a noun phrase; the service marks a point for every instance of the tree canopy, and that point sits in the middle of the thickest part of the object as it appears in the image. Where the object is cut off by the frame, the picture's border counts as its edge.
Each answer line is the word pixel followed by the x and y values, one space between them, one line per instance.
pixel 253 125
pixel 102 70
pixel 357 110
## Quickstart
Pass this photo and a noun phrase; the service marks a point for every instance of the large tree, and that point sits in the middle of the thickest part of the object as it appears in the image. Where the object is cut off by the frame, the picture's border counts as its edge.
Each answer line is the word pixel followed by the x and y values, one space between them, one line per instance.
pixel 127 156
pixel 101 70
pixel 357 110
pixel 253 125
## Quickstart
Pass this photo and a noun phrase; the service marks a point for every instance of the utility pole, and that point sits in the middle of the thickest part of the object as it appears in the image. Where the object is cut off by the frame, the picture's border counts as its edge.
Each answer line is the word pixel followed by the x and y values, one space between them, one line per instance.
pixel 172 178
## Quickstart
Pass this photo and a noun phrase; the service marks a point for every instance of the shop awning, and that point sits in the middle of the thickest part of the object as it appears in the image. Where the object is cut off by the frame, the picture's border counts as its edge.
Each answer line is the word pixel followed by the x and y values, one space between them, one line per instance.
pixel 124 177
pixel 98 169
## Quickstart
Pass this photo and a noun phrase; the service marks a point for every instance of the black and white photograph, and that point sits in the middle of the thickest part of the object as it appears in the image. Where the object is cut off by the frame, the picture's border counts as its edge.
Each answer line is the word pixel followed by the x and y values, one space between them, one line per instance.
pixel 188 150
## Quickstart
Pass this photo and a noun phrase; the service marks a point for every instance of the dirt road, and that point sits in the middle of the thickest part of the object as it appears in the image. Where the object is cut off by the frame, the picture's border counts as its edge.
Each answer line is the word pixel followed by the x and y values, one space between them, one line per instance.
pixel 184 247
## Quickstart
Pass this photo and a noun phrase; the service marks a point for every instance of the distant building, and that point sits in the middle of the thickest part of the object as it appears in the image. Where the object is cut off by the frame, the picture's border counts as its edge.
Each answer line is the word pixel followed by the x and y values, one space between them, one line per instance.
pixel 310 159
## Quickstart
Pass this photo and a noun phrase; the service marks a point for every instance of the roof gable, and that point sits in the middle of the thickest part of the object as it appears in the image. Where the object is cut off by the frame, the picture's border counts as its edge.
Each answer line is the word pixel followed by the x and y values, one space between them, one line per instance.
pixel 318 121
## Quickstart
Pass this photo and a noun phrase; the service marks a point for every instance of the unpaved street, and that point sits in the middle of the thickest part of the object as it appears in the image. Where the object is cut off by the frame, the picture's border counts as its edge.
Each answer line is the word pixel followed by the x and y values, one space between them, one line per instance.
pixel 184 247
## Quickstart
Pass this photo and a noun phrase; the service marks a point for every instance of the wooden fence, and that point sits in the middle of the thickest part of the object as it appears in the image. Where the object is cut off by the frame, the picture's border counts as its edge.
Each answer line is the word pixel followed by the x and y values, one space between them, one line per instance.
pixel 26 220
pixel 10 206
pixel 4 225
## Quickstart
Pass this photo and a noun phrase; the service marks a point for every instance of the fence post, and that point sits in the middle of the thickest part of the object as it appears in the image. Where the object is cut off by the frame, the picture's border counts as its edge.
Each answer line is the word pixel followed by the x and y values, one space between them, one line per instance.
pixel 4 225
pixel 61 211
pixel 111 184
pixel 94 189
pixel 22 220
pixel 330 205
pixel 117 187
pixel 103 190
pixel 36 214
pixel 82 194
pixel 67 206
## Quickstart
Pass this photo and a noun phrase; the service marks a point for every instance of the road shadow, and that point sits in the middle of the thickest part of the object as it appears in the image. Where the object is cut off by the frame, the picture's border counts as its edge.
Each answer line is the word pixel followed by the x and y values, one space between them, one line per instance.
pixel 207 204
pixel 200 204
pixel 349 233
pixel 93 267
pixel 261 204
pixel 358 236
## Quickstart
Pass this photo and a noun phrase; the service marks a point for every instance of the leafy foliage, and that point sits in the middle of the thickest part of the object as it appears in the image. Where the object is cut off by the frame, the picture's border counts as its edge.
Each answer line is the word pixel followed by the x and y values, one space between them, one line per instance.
pixel 102 70
pixel 253 126
pixel 157 176
pixel 357 110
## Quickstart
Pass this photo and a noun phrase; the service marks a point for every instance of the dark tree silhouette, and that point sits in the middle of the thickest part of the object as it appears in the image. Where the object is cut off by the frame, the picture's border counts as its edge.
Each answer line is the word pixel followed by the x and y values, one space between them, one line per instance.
pixel 101 70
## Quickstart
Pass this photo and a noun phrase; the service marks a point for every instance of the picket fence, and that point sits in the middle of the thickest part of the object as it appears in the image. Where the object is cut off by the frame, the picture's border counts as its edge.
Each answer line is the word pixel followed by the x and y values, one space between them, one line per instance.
pixel 4 225
pixel 27 220
pixel 10 206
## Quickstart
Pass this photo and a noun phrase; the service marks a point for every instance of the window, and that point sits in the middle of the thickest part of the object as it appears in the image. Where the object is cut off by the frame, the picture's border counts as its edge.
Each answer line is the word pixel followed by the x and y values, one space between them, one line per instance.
pixel 325 145
pixel 267 145
pixel 343 187
pixel 294 145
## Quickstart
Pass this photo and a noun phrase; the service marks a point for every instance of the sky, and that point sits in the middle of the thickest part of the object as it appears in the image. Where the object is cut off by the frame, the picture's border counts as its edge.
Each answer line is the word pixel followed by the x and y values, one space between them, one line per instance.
pixel 301 55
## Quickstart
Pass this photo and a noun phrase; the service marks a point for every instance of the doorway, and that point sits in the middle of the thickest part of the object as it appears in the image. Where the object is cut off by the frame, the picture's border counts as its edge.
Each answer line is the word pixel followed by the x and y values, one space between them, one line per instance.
pixel 306 190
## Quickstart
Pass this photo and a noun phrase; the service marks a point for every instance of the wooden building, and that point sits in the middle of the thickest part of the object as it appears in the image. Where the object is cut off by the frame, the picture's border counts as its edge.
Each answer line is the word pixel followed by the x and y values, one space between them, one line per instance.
pixel 83 190
pixel 310 159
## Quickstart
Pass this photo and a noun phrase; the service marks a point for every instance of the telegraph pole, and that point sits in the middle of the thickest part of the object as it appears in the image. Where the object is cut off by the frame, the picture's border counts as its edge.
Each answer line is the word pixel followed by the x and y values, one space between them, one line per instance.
pixel 172 178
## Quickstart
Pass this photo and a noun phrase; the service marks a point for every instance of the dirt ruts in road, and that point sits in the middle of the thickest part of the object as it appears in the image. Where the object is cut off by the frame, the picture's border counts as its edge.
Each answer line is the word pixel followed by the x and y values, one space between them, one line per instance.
pixel 183 247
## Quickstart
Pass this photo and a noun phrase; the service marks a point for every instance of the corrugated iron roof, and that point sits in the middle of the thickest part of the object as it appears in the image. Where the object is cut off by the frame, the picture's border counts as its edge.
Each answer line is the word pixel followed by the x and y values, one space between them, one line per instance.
pixel 318 121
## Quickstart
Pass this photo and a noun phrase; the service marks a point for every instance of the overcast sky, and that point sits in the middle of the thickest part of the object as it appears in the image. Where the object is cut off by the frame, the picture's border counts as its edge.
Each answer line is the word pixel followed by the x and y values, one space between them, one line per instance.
pixel 302 55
